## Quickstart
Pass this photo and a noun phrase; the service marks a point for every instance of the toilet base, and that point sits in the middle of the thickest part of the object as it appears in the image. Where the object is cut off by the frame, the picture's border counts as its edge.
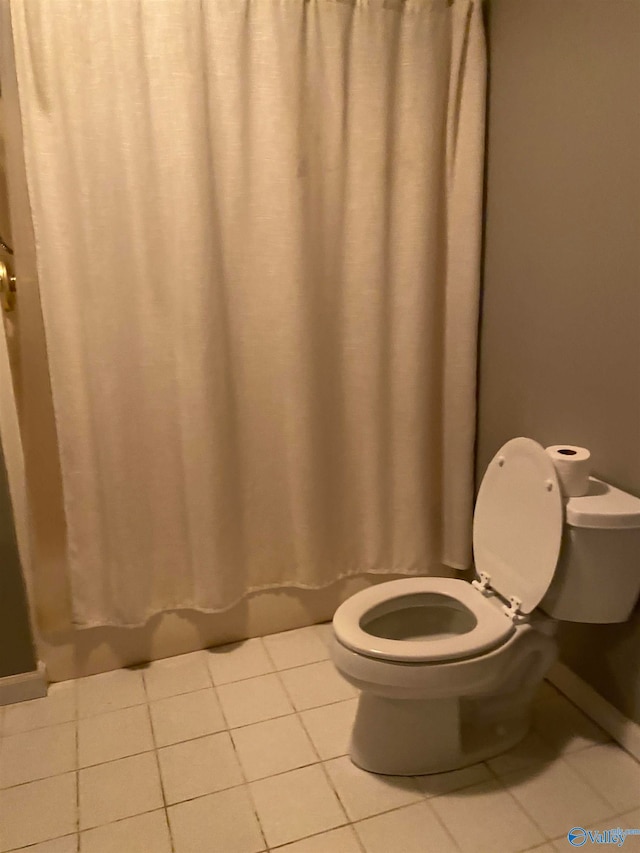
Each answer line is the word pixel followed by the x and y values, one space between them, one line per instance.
pixel 415 737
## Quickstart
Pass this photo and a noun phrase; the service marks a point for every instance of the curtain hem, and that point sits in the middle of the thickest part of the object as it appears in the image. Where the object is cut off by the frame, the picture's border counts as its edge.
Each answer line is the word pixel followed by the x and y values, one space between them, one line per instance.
pixel 273 587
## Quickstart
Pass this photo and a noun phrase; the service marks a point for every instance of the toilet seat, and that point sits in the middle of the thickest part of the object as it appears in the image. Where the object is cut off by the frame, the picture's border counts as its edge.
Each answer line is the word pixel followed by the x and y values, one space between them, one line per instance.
pixel 492 626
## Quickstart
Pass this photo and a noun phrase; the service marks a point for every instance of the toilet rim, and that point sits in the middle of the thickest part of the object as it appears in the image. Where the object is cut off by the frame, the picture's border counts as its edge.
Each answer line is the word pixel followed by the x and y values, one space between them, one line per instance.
pixel 492 626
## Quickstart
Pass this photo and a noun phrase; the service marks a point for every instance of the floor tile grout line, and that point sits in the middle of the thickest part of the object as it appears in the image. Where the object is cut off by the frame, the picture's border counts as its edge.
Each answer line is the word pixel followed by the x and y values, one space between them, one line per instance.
pixel 290 697
pixel 422 799
pixel 286 693
pixel 80 767
pixel 359 841
pixel 299 710
pixel 41 779
pixel 73 764
pixel 25 735
pixel 156 756
pixel 602 794
pixel 279 847
pixel 82 717
pixel 29 847
pixel 304 726
pixel 440 821
pixel 298 665
pixel 211 793
pixel 308 736
pixel 254 806
pixel 501 780
pixel 275 669
pixel 243 775
pixel 107 823
pixel 176 695
pixel 137 750
pixel 347 822
pixel 317 760
pixel 335 791
pixel 165 810
pixel 263 720
pixel 155 749
pixel 38 728
pixel 429 797
pixel 507 789
pixel 268 654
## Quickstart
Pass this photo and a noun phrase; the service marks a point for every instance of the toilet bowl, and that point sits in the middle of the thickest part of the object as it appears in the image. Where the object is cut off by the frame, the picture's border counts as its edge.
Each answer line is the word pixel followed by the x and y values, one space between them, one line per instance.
pixel 448 669
pixel 446 676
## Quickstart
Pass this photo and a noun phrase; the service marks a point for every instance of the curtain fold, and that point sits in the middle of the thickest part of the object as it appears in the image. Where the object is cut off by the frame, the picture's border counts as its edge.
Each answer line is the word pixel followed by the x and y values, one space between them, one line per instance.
pixel 257 228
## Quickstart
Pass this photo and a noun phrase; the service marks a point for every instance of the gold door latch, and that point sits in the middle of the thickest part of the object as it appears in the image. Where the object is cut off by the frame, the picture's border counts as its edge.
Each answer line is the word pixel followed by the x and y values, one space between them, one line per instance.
pixel 7 288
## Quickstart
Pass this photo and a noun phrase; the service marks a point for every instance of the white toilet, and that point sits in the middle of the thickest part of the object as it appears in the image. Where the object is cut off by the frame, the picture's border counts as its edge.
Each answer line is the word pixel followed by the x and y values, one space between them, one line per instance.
pixel 448 669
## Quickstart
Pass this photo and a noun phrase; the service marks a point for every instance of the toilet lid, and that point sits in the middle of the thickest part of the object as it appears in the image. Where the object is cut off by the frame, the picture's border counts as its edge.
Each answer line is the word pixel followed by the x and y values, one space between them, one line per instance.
pixel 517 524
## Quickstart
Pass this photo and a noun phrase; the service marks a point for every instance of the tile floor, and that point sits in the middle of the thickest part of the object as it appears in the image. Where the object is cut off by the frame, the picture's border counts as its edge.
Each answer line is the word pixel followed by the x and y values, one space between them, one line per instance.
pixel 241 749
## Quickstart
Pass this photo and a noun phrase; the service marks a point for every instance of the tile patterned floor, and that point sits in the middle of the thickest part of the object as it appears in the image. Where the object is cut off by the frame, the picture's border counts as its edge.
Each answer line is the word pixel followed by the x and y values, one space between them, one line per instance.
pixel 242 749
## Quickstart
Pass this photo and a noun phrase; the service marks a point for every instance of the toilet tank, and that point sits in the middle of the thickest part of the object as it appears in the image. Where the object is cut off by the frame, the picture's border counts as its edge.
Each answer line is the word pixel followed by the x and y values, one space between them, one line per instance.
pixel 597 578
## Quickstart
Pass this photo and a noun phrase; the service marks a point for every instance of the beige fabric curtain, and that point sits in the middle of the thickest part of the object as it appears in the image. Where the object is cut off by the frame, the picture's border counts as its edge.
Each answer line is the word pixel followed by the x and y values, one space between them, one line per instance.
pixel 257 228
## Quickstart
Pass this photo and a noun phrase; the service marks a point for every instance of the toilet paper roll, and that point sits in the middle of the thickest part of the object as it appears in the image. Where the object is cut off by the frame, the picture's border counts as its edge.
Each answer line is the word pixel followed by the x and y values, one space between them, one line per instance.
pixel 573 466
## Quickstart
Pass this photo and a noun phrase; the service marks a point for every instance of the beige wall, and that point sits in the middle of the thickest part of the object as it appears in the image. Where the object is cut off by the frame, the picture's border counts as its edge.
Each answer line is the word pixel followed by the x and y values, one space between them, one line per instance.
pixel 560 332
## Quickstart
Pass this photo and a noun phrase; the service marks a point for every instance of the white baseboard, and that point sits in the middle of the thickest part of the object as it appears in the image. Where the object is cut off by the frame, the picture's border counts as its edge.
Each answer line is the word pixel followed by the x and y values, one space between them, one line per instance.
pixel 26 685
pixel 602 712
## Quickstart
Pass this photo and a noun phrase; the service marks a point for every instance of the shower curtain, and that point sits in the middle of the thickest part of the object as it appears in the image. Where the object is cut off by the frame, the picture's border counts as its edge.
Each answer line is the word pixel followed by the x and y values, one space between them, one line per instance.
pixel 257 228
